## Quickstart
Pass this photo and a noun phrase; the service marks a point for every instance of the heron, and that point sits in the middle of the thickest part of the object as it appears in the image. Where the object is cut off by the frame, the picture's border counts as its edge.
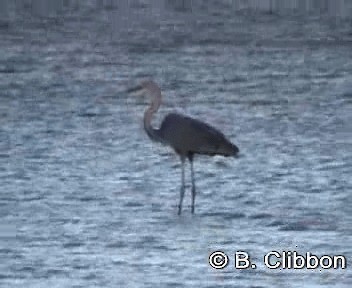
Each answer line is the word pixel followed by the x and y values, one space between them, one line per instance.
pixel 186 135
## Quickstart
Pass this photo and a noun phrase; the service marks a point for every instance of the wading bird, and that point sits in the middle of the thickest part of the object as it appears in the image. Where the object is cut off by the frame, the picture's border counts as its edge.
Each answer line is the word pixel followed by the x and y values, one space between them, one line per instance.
pixel 186 135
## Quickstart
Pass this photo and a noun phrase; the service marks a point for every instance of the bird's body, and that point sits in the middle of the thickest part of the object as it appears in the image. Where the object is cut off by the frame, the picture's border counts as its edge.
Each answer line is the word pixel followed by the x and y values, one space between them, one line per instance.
pixel 205 138
pixel 186 135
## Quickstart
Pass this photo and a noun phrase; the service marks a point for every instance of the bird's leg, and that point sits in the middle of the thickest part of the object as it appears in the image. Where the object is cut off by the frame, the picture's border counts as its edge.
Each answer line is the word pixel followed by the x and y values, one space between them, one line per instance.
pixel 182 190
pixel 190 157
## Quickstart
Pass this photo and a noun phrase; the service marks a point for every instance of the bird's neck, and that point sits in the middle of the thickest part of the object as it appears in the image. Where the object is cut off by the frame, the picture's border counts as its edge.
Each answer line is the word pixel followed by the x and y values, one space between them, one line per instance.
pixel 148 115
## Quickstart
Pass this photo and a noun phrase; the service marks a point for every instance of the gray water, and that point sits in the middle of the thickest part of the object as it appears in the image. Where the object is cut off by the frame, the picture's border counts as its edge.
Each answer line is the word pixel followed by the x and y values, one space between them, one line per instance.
pixel 87 200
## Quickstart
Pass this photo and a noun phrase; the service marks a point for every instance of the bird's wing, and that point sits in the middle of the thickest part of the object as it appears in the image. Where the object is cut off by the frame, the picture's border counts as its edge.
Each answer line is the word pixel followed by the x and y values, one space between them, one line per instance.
pixel 191 135
pixel 174 120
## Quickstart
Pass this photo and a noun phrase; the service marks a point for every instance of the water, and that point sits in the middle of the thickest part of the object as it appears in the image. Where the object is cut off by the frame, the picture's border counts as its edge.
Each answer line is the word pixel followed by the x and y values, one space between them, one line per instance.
pixel 87 200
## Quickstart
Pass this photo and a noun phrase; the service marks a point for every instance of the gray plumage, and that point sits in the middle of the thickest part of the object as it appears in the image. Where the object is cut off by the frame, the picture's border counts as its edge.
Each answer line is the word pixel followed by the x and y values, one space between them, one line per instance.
pixel 186 135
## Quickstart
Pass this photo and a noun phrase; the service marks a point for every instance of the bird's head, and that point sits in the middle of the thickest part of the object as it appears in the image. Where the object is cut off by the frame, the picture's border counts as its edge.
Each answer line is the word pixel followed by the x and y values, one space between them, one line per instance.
pixel 146 87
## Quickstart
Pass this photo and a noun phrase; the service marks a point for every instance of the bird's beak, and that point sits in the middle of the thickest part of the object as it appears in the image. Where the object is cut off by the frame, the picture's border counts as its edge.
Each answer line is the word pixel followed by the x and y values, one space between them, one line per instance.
pixel 137 90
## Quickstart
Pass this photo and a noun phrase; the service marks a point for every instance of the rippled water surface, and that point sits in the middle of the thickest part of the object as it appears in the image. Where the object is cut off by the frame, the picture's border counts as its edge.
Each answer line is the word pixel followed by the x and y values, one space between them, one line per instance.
pixel 87 200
